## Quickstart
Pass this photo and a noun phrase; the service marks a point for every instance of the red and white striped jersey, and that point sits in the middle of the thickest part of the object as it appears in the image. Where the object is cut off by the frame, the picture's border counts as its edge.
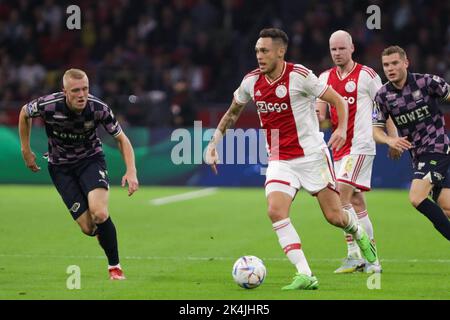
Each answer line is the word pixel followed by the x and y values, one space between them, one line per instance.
pixel 286 110
pixel 358 88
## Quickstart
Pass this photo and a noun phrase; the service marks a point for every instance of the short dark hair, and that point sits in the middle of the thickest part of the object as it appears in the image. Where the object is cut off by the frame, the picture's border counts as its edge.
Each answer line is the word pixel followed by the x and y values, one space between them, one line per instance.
pixel 275 34
pixel 394 49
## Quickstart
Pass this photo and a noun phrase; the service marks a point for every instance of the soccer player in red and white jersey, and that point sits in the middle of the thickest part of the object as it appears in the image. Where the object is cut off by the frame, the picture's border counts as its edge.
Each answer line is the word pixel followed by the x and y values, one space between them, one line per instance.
pixel 284 94
pixel 358 85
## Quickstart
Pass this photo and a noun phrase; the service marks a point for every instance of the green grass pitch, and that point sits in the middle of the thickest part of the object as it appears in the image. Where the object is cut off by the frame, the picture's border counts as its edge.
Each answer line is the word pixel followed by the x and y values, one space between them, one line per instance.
pixel 185 250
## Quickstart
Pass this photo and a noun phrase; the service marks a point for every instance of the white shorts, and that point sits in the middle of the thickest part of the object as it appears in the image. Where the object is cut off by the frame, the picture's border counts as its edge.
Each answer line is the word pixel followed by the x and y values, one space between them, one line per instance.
pixel 313 172
pixel 355 170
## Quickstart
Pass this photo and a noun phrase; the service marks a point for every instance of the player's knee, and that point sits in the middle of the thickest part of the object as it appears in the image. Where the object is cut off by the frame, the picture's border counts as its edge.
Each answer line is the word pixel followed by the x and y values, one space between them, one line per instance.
pixel 335 217
pixel 358 204
pixel 415 200
pixel 100 216
pixel 276 212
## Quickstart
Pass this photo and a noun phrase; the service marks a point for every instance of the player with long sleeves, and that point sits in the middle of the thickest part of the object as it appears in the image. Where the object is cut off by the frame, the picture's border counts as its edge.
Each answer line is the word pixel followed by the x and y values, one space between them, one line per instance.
pixel 284 94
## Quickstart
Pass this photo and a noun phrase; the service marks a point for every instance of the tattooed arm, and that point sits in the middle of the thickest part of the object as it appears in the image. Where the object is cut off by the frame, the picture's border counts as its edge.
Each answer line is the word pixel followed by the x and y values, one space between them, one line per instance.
pixel 228 120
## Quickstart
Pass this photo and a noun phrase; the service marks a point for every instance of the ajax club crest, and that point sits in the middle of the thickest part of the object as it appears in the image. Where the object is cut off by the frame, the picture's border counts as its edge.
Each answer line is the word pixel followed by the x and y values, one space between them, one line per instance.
pixel 281 91
pixel 350 86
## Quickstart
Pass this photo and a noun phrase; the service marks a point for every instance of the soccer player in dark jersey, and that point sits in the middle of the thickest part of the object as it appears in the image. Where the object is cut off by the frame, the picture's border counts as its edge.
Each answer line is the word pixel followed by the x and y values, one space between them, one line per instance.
pixel 411 100
pixel 76 160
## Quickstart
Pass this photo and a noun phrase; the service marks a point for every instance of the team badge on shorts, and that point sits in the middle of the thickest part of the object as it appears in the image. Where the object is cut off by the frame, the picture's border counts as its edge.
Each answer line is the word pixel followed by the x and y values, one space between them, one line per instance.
pixel 75 207
pixel 281 91
pixel 349 164
pixel 350 86
pixel 102 173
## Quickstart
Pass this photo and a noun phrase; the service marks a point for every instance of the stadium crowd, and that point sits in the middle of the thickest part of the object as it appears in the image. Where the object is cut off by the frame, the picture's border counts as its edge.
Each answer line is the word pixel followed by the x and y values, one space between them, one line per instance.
pixel 157 62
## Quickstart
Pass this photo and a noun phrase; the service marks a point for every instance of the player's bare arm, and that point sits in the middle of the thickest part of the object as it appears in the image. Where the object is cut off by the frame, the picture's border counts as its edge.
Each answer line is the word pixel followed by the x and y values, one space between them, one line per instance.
pixel 24 133
pixel 228 120
pixel 398 143
pixel 339 135
pixel 321 110
pixel 126 149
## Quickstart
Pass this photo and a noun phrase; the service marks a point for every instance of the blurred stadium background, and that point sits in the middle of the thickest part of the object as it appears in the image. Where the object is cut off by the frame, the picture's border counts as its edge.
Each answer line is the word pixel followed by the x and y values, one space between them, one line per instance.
pixel 161 65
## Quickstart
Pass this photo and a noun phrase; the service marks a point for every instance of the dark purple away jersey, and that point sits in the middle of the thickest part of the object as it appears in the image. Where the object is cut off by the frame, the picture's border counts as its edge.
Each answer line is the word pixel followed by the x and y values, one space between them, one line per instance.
pixel 72 136
pixel 414 110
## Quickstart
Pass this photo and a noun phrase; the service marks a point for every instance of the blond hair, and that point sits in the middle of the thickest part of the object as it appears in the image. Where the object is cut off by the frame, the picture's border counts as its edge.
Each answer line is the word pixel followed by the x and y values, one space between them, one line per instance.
pixel 394 49
pixel 73 74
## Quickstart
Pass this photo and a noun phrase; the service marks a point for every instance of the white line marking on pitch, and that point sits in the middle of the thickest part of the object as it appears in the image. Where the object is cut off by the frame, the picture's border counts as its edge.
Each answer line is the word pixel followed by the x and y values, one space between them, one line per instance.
pixel 208 258
pixel 183 196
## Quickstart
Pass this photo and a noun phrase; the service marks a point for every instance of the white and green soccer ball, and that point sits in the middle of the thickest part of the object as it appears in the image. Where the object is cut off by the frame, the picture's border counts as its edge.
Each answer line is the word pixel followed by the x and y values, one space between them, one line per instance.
pixel 249 272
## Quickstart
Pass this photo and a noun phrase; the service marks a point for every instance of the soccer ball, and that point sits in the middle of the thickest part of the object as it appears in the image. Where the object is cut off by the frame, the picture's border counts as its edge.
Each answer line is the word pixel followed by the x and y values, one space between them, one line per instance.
pixel 249 272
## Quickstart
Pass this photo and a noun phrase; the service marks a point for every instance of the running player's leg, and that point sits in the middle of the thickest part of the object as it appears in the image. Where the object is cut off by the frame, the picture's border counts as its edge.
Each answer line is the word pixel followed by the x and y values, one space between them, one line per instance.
pixel 354 261
pixel 359 204
pixel 418 196
pixel 93 179
pixel 280 192
pixel 323 185
pixel 354 173
pixel 432 174
pixel 87 224
pixel 443 201
pixel 334 213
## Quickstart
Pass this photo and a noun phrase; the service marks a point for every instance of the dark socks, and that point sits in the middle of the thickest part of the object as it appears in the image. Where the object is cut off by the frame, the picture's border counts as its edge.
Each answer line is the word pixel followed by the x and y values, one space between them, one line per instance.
pixel 435 214
pixel 108 241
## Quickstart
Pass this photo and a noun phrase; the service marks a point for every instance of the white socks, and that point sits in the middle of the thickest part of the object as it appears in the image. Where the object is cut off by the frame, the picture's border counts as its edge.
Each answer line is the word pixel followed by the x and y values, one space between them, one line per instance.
pixel 364 220
pixel 290 242
pixel 352 227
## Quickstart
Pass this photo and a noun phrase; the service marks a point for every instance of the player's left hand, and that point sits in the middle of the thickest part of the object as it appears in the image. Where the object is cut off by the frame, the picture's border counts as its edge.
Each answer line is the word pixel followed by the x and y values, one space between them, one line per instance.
pixel 337 139
pixel 132 180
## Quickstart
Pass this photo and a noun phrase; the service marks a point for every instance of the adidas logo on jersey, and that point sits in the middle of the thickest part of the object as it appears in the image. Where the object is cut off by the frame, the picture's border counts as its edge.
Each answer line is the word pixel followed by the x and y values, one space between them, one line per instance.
pixel 258 93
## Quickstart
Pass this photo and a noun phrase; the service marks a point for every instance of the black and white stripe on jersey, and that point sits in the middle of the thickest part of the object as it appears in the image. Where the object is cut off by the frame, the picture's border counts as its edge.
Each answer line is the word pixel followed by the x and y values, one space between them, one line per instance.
pixel 98 101
pixel 51 101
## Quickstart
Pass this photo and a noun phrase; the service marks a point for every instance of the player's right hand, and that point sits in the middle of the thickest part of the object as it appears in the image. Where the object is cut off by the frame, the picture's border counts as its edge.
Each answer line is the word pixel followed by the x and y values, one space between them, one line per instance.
pixel 337 139
pixel 211 157
pixel 30 160
pixel 399 143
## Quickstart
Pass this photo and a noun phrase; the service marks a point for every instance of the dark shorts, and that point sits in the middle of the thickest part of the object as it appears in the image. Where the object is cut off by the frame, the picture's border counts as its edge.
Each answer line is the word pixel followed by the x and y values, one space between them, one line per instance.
pixel 435 168
pixel 75 181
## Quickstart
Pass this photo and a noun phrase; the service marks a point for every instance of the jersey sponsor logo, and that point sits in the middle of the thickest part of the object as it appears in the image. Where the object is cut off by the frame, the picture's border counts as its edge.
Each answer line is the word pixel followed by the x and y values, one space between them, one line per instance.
pixel 414 116
pixel 70 136
pixel 264 107
pixel 350 100
pixel 281 91
pixel 350 86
